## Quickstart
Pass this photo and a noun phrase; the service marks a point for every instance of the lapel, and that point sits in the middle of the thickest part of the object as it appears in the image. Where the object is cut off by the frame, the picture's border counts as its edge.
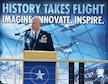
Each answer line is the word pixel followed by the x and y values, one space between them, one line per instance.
pixel 40 34
pixel 35 43
pixel 42 38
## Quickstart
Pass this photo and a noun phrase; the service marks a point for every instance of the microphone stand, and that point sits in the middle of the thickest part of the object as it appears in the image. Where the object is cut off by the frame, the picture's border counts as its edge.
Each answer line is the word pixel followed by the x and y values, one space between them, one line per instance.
pixel 15 57
pixel 17 44
pixel 16 51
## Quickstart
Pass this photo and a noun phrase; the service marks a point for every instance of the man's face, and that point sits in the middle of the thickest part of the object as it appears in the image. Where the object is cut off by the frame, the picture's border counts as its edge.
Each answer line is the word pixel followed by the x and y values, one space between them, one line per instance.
pixel 35 24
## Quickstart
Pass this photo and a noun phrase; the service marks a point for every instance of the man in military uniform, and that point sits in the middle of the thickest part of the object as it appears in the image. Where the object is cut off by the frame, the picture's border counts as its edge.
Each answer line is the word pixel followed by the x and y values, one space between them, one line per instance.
pixel 36 38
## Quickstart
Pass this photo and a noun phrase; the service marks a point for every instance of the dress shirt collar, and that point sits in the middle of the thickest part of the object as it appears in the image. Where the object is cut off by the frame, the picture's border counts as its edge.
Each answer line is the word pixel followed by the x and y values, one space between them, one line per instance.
pixel 37 33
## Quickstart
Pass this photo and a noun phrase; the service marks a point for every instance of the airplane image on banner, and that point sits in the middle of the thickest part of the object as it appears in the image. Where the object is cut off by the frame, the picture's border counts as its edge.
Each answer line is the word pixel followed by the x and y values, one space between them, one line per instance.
pixel 67 27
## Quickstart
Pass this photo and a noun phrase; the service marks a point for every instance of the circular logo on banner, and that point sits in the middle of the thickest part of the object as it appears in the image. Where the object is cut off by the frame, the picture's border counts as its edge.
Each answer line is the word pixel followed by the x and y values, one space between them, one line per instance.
pixel 39 74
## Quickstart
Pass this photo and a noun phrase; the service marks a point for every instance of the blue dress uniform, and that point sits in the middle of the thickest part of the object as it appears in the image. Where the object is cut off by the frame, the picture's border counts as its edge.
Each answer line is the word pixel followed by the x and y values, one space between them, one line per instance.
pixel 42 42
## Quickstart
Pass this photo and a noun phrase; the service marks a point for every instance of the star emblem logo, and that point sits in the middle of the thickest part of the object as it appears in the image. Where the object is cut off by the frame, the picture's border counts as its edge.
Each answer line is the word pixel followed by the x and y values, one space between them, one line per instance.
pixel 39 75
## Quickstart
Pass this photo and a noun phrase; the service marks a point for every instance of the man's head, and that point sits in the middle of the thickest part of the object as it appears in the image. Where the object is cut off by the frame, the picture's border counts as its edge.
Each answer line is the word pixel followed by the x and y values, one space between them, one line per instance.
pixel 35 23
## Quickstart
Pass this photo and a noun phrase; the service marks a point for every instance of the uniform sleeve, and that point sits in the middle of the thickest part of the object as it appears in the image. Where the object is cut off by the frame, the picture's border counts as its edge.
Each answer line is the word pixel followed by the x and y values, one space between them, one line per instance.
pixel 50 46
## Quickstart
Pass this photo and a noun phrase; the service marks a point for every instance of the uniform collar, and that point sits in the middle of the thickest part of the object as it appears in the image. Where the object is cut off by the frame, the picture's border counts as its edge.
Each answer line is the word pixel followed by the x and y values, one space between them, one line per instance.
pixel 37 33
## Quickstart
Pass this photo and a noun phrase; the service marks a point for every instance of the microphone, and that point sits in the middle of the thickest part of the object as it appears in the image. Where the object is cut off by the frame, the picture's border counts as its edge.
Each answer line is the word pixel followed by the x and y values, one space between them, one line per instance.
pixel 23 32
pixel 21 36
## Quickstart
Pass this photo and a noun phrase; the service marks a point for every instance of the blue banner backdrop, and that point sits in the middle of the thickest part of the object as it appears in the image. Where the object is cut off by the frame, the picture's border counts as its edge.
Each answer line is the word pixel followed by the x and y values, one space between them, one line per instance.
pixel 78 30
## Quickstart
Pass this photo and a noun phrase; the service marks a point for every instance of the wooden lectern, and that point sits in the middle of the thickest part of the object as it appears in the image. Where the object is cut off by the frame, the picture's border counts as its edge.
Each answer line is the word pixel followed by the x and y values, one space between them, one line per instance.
pixel 39 72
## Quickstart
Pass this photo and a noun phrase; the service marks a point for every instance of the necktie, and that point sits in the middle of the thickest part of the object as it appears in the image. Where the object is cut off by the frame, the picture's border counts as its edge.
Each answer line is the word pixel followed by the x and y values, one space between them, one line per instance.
pixel 35 36
pixel 33 42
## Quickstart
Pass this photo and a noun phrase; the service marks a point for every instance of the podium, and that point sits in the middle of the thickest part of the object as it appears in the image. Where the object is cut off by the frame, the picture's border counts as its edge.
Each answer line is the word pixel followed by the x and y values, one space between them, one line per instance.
pixel 39 72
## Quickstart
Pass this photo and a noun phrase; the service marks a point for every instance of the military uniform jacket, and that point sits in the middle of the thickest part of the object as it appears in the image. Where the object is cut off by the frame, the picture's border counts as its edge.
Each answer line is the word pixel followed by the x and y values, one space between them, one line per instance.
pixel 43 42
